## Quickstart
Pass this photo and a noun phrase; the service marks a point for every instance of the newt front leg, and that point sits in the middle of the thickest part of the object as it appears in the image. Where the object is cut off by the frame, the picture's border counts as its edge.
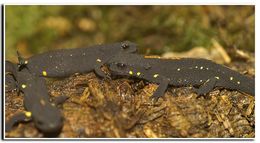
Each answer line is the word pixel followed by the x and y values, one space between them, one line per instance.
pixel 17 118
pixel 162 87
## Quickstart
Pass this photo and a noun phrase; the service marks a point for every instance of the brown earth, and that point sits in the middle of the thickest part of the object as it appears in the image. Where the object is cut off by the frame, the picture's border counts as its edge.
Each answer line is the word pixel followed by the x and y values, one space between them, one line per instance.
pixel 122 108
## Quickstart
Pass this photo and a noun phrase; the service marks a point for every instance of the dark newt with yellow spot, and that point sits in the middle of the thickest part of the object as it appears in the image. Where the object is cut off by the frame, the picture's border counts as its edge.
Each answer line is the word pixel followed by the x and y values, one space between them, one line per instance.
pixel 202 74
pixel 28 78
pixel 65 62
pixel 45 115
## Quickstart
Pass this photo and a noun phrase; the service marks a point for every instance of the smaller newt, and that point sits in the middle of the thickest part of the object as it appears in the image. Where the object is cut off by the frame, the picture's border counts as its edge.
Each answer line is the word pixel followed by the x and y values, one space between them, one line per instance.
pixel 203 75
pixel 45 115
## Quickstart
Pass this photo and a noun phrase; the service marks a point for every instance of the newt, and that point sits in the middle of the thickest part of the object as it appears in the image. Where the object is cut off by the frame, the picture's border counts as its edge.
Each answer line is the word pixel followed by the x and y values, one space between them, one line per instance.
pixel 65 62
pixel 28 77
pixel 201 74
pixel 45 115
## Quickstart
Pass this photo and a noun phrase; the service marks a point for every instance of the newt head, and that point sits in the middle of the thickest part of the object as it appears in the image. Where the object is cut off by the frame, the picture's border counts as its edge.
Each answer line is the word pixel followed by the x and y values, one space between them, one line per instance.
pixel 47 118
pixel 119 47
pixel 128 47
pixel 124 69
pixel 126 64
pixel 119 69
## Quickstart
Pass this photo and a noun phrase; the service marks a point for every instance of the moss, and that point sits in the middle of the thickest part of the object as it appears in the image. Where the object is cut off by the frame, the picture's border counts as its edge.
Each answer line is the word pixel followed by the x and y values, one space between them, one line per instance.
pixel 156 29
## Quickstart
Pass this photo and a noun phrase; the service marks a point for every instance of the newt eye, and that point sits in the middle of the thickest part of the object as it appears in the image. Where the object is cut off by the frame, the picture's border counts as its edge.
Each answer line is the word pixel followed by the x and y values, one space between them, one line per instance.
pixel 125 45
pixel 121 65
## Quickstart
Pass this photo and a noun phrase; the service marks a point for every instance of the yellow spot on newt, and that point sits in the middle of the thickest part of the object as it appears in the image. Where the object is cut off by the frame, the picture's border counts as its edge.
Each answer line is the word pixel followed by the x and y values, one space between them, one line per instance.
pixel 138 73
pixel 44 73
pixel 207 68
pixel 131 72
pixel 26 62
pixel 155 75
pixel 98 60
pixel 216 77
pixel 28 114
pixel 238 82
pixel 200 80
pixel 201 68
pixel 231 78
pixel 196 67
pixel 23 86
pixel 178 69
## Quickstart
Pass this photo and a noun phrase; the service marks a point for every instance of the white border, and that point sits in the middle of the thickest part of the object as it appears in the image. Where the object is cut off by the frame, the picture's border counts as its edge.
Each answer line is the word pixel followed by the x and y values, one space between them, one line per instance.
pixel 3 62
pixel 153 2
